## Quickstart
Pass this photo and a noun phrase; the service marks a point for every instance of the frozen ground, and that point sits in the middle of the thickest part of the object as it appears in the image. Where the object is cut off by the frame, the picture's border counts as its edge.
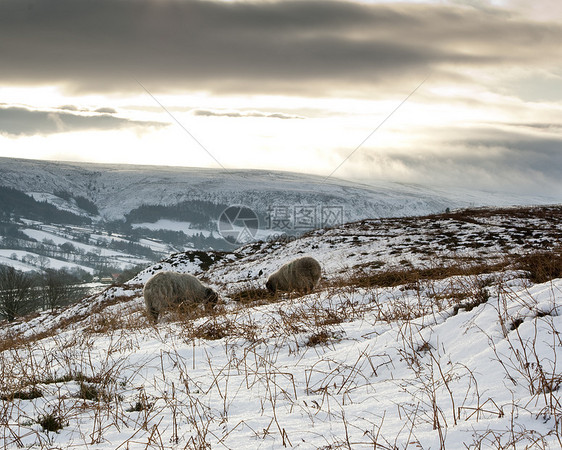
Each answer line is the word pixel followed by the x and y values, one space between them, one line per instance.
pixel 461 349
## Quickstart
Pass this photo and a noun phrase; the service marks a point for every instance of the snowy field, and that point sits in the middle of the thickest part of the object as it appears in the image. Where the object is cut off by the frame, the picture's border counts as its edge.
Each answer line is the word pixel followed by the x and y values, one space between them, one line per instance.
pixel 7 255
pixel 467 356
pixel 57 236
pixel 172 225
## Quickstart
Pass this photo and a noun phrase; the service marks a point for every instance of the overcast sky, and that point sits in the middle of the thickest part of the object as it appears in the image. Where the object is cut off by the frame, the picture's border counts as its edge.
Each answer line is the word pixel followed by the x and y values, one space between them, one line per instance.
pixel 471 90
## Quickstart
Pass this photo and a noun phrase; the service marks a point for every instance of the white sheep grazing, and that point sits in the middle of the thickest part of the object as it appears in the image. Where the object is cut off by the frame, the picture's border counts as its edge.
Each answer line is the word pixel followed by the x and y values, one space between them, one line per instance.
pixel 301 275
pixel 171 288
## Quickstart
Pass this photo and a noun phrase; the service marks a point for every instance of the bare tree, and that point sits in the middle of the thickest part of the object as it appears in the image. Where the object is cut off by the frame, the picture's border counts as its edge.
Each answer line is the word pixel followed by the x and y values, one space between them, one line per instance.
pixel 43 262
pixel 15 293
pixel 57 289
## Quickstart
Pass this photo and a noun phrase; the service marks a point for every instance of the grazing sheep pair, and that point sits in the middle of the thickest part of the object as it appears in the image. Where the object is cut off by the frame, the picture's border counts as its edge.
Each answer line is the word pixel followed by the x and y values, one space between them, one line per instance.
pixel 168 288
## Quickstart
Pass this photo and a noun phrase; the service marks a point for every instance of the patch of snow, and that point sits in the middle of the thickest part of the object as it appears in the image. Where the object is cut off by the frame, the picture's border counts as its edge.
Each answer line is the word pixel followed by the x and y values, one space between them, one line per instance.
pixel 51 263
pixel 172 225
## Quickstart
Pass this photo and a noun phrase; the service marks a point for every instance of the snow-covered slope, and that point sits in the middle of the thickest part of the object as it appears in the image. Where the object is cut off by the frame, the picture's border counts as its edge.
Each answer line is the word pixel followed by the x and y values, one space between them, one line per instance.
pixel 463 238
pixel 116 190
pixel 430 332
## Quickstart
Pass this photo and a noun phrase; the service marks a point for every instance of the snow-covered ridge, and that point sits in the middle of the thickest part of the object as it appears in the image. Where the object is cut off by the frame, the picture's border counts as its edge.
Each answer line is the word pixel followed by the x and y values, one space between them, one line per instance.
pixel 118 189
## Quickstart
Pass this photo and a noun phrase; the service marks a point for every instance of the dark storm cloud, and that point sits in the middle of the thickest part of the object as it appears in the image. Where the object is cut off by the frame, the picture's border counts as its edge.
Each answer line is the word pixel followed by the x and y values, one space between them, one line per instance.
pixel 308 46
pixel 19 121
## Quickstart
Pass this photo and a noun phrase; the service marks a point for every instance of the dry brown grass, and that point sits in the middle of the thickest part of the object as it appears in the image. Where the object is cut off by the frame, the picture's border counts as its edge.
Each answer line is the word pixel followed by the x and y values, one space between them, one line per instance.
pixel 253 296
pixel 413 275
pixel 549 213
pixel 322 337
pixel 542 266
pixel 28 394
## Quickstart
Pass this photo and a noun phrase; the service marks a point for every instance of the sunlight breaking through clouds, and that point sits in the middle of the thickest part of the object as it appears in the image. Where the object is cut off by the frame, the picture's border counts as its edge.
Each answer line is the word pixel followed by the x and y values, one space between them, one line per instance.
pixel 294 85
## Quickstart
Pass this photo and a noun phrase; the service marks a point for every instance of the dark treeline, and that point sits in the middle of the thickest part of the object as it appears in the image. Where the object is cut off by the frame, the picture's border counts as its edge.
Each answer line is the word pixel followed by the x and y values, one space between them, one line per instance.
pixel 171 237
pixel 82 202
pixel 17 203
pixel 179 239
pixel 200 213
pixel 86 205
pixel 12 231
pixel 132 248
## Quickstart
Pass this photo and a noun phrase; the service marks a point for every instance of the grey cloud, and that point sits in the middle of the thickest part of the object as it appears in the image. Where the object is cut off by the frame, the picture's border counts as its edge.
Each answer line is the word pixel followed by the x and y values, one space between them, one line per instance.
pixel 498 159
pixel 537 125
pixel 526 156
pixel 106 111
pixel 277 115
pixel 74 108
pixel 19 121
pixel 311 46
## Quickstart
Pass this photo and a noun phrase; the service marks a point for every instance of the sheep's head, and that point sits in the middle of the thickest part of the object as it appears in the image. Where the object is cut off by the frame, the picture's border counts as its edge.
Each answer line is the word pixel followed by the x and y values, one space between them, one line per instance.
pixel 211 296
pixel 270 286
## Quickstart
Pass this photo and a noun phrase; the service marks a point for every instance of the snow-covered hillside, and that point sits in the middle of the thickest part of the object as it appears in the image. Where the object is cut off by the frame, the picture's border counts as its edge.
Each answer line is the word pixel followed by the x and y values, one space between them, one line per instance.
pixel 177 209
pixel 118 189
pixel 428 332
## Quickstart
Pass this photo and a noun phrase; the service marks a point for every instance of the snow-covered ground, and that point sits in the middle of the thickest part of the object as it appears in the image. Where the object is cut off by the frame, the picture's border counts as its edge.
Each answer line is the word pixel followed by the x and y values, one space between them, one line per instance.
pixel 40 235
pixel 173 225
pixel 59 235
pixel 462 359
pixel 7 259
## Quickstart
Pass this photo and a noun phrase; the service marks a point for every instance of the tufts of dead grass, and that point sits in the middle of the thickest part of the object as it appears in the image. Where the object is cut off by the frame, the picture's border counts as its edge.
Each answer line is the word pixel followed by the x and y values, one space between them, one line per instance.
pixel 413 275
pixel 542 266
pixel 253 296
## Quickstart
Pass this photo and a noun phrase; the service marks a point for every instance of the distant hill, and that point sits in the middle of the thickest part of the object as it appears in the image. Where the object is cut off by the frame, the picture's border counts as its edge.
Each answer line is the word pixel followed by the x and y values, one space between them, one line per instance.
pixel 116 190
pixel 105 218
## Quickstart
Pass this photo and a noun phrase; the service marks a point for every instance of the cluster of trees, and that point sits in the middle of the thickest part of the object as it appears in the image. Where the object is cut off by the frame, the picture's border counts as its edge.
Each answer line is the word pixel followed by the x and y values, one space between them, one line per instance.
pixel 67 251
pixel 174 238
pixel 132 248
pixel 48 249
pixel 11 231
pixel 200 213
pixel 180 239
pixel 17 203
pixel 82 202
pixel 22 293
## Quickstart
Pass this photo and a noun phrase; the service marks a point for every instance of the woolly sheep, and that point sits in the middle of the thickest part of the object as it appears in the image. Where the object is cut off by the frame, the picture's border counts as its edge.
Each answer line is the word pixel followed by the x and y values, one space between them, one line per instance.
pixel 301 275
pixel 171 288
